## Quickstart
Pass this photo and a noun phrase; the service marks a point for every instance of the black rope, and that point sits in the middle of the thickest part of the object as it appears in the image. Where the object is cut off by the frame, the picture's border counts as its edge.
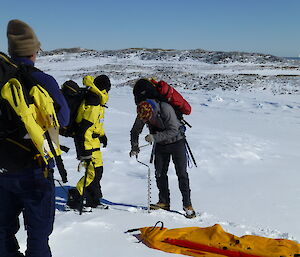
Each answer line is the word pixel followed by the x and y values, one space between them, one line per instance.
pixel 161 227
pixel 137 229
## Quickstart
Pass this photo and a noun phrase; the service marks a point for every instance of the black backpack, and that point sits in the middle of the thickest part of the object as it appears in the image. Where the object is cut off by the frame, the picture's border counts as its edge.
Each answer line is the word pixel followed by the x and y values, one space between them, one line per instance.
pixel 74 96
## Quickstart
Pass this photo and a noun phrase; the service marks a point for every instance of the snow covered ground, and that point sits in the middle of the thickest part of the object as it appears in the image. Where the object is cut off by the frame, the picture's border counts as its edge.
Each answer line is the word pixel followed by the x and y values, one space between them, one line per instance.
pixel 247 147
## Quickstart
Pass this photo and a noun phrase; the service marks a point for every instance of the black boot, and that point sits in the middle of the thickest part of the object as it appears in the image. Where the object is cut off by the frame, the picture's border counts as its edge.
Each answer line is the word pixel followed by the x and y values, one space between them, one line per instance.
pixel 92 202
pixel 73 199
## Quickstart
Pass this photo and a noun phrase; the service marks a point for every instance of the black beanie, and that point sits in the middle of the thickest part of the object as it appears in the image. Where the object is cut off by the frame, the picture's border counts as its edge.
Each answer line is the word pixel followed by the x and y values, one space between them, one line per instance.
pixel 102 82
pixel 144 89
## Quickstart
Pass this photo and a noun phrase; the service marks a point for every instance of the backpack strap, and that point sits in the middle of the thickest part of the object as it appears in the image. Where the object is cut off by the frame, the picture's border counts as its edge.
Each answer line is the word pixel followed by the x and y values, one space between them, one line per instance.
pixel 7 60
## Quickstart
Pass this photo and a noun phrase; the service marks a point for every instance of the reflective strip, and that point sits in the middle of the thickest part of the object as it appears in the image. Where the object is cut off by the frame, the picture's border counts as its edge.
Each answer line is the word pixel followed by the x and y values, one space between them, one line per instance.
pixel 74 90
pixel 18 144
pixel 7 60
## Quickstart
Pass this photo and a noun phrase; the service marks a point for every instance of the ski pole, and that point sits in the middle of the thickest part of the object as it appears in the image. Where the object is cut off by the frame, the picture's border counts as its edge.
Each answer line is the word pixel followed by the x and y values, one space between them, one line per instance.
pixel 144 145
pixel 84 184
pixel 186 123
pixel 149 184
pixel 190 152
pixel 152 152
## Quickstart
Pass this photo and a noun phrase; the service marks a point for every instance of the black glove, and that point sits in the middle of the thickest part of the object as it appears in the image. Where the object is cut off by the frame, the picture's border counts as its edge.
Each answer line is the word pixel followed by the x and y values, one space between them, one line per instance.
pixel 103 140
pixel 149 138
pixel 134 150
pixel 85 155
pixel 85 158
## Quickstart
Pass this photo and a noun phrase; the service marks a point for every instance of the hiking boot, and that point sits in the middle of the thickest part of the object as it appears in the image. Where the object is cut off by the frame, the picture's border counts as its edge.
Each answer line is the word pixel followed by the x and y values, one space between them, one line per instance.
pixel 160 205
pixel 102 206
pixel 189 212
pixel 84 208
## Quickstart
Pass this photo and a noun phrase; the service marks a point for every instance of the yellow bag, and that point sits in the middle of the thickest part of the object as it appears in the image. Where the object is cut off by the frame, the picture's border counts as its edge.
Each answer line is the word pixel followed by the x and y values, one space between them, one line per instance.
pixel 215 242
pixel 34 107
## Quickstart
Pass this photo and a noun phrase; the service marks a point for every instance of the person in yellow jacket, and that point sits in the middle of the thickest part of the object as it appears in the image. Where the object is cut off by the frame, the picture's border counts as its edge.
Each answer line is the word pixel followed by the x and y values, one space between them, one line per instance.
pixel 89 135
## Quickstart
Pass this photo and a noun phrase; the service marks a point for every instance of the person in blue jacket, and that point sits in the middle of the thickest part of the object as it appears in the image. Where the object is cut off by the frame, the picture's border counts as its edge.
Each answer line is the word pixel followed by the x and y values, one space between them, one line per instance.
pixel 23 186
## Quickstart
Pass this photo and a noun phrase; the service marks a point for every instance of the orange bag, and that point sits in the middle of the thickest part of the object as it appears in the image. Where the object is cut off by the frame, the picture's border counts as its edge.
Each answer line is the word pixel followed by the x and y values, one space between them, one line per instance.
pixel 215 242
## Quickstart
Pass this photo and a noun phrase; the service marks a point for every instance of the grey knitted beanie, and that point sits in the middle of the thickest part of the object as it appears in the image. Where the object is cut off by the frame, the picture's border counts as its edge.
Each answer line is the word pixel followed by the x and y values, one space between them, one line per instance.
pixel 22 40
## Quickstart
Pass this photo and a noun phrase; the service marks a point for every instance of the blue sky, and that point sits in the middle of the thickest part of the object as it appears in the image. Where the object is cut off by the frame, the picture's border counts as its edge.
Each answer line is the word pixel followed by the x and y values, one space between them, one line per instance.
pixel 264 26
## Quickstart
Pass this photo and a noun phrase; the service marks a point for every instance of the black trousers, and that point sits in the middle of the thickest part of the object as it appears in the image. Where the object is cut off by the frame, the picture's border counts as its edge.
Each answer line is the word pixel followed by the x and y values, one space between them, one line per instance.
pixel 163 154
pixel 30 193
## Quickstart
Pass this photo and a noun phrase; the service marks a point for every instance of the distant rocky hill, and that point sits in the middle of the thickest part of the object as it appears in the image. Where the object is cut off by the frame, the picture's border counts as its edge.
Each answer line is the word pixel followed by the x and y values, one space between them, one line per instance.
pixel 211 57
pixel 186 69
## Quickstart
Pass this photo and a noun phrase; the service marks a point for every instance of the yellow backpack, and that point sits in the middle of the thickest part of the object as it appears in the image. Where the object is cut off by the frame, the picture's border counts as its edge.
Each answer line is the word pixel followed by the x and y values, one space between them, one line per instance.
pixel 29 104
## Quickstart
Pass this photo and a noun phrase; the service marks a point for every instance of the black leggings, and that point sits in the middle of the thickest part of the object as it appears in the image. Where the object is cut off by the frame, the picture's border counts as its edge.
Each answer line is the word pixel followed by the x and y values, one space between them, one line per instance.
pixel 163 155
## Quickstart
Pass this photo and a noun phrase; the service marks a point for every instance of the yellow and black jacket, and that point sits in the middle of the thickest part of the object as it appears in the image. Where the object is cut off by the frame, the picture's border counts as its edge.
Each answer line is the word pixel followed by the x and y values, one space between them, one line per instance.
pixel 90 119
pixel 90 128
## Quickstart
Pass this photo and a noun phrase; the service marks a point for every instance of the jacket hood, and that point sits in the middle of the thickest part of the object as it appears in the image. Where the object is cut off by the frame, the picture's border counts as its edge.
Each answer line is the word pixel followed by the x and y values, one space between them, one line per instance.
pixel 88 81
